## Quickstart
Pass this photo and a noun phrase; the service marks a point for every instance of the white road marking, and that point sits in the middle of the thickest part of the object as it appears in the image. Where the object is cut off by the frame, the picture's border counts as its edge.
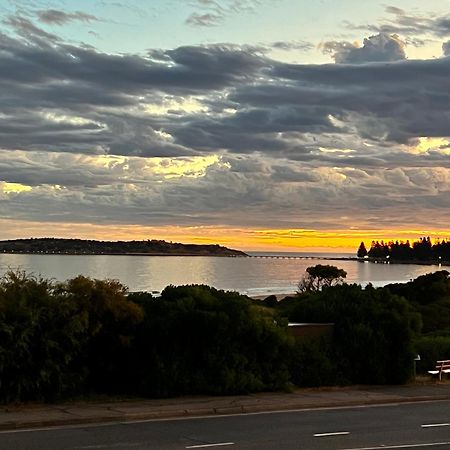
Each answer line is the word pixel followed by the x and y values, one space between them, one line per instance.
pixel 336 433
pixel 433 425
pixel 221 444
pixel 384 447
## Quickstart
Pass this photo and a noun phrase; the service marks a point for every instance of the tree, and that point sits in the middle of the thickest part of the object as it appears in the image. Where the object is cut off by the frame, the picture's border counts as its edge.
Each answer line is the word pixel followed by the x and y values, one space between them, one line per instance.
pixel 362 251
pixel 40 337
pixel 110 321
pixel 320 276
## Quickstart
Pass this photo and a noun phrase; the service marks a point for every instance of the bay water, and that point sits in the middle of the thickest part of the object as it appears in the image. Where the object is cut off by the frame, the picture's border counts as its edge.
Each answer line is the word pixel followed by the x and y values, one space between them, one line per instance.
pixel 253 276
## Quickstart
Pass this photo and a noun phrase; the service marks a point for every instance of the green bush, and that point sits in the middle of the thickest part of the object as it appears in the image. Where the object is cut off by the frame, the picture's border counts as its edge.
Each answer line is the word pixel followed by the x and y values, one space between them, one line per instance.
pixel 109 321
pixel 40 336
pixel 430 295
pixel 373 333
pixel 62 338
pixel 196 339
pixel 312 364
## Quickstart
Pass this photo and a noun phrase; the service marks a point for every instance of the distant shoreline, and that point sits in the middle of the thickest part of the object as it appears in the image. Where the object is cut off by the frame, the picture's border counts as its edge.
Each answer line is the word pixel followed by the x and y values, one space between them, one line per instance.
pixel 116 254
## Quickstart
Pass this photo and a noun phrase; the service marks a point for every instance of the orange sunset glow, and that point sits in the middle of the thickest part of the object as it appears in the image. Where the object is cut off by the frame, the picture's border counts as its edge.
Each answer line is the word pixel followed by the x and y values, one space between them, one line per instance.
pixel 296 240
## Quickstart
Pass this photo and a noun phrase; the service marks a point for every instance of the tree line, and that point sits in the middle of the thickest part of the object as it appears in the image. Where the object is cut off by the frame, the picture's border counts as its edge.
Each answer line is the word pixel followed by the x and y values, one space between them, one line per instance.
pixel 421 250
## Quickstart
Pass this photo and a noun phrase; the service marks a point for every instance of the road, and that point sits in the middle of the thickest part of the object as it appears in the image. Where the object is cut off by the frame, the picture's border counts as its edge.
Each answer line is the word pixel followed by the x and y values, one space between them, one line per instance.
pixel 402 426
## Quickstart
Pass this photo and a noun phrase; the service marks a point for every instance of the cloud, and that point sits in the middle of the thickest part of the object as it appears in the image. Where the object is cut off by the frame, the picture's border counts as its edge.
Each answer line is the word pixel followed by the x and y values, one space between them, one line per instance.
pixel 292 45
pixel 446 48
pixel 211 13
pixel 407 24
pixel 58 17
pixel 128 6
pixel 28 30
pixel 101 105
pixel 377 48
pixel 231 192
pixel 203 20
pixel 220 134
pixel 220 97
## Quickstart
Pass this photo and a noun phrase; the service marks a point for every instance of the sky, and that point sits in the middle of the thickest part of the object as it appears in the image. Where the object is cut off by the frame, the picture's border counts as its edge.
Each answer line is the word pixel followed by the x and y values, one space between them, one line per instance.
pixel 256 124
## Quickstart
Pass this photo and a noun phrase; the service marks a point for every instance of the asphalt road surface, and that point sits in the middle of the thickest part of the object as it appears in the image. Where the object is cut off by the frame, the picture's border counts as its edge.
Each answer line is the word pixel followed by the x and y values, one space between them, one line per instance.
pixel 402 426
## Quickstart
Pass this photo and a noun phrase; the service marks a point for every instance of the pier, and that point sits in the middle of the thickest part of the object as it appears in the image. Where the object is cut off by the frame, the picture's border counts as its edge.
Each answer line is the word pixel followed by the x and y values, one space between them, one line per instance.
pixel 322 258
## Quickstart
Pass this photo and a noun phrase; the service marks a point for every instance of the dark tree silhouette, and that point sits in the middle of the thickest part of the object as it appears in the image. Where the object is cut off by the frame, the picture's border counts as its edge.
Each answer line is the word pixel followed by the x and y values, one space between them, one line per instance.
pixel 320 276
pixel 420 250
pixel 362 251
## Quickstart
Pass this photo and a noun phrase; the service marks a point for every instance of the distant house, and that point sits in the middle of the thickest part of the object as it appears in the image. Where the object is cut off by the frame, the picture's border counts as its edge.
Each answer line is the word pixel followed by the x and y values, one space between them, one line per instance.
pixel 311 330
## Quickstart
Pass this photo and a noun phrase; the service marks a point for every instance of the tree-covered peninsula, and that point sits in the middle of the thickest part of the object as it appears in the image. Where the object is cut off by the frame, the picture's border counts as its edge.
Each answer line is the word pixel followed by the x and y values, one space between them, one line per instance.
pixel 422 250
pixel 91 247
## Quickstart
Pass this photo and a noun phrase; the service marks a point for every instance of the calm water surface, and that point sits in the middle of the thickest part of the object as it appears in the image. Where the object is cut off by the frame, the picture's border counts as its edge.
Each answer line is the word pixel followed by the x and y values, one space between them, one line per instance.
pixel 252 276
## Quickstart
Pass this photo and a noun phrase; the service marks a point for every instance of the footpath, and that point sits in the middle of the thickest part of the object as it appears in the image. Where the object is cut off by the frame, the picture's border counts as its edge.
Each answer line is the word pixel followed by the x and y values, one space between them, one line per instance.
pixel 15 417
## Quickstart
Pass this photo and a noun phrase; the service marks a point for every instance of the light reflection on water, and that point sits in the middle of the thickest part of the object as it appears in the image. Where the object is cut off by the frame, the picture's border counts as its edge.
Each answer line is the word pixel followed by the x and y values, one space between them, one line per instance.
pixel 253 276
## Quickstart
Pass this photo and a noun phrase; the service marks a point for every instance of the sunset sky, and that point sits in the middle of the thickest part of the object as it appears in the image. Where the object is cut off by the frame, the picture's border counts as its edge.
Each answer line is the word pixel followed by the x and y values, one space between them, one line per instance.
pixel 256 124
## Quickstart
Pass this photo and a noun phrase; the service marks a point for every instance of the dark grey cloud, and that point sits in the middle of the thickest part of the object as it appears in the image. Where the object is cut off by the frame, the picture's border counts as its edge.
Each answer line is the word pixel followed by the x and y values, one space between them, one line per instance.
pixel 25 28
pixel 109 93
pixel 292 45
pixel 64 170
pixel 288 174
pixel 409 24
pixel 60 97
pixel 253 102
pixel 59 17
pixel 203 20
pixel 377 48
pixel 446 48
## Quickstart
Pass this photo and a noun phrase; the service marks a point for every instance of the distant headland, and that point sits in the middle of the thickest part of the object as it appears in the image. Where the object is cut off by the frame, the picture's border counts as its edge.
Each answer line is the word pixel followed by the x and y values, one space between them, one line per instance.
pixel 92 247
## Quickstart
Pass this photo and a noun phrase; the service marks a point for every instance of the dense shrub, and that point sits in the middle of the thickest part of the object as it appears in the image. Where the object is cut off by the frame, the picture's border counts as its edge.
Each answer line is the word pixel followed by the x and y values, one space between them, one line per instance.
pixel 39 337
pixel 109 321
pixel 430 295
pixel 57 339
pixel 373 334
pixel 196 339
pixel 313 364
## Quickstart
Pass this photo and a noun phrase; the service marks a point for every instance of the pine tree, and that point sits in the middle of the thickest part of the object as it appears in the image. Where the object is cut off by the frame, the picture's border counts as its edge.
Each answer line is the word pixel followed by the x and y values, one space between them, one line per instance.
pixel 362 251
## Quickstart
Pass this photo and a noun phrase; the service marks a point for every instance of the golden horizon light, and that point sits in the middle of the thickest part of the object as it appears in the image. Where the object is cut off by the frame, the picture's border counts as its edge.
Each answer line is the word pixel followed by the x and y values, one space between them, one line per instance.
pixel 245 239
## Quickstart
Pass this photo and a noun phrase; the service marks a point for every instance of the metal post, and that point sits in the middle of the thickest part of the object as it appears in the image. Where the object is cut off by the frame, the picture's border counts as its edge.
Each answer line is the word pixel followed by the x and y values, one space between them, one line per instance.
pixel 417 358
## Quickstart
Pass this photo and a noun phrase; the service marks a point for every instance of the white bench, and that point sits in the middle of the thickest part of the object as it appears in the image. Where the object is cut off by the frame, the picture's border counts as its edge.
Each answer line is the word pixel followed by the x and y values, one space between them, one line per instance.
pixel 441 367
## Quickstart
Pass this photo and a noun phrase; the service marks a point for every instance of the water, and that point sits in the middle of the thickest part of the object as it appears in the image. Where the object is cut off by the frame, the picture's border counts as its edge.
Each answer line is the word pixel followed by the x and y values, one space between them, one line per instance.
pixel 252 276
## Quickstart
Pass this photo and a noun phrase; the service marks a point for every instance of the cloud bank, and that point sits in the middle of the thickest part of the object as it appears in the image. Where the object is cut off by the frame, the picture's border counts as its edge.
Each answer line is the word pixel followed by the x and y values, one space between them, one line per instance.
pixel 221 135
